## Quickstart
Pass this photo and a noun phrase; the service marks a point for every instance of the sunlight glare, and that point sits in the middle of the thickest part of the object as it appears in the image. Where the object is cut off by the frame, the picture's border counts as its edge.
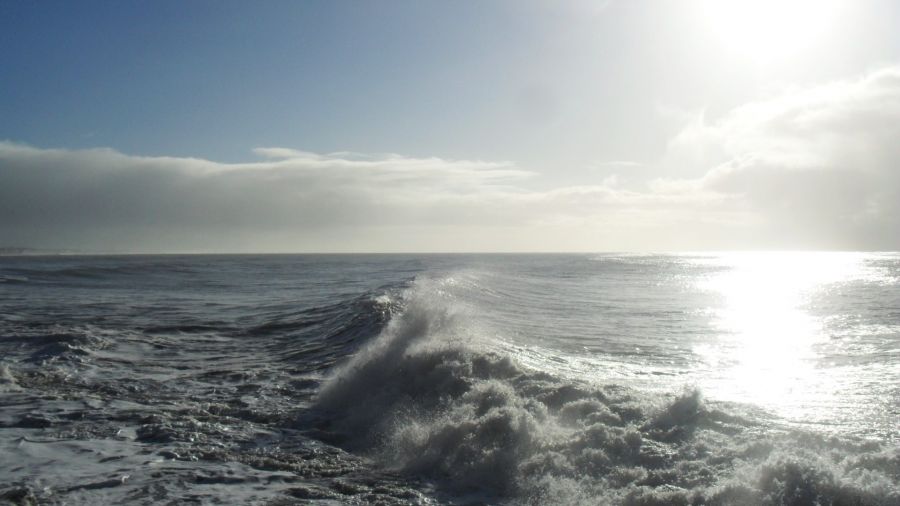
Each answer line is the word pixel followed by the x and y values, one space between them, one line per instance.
pixel 768 335
pixel 768 30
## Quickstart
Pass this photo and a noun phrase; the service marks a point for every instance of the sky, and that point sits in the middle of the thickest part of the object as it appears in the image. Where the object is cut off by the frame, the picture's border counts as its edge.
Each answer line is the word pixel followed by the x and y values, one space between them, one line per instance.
pixel 425 126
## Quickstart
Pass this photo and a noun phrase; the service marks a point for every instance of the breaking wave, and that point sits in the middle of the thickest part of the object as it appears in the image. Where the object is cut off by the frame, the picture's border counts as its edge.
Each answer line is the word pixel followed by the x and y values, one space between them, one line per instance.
pixel 484 379
pixel 436 397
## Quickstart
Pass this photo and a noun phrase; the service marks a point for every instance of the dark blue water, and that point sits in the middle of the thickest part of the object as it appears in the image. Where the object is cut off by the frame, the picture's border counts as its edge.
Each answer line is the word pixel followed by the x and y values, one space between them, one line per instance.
pixel 627 379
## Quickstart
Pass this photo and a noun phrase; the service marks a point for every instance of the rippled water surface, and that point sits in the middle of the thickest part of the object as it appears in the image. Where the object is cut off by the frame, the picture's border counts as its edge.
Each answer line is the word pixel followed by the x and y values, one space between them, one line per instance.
pixel 756 378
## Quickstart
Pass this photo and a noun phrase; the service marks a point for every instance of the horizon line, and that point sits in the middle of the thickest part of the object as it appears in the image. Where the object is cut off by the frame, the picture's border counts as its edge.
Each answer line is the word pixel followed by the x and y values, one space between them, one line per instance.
pixel 38 252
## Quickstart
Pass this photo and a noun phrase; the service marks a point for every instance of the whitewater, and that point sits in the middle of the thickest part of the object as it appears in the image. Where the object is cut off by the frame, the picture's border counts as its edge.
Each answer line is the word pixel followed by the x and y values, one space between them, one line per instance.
pixel 632 379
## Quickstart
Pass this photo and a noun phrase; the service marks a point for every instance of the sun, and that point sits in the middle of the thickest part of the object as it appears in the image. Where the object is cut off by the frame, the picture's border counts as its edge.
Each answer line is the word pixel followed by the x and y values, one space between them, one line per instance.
pixel 767 31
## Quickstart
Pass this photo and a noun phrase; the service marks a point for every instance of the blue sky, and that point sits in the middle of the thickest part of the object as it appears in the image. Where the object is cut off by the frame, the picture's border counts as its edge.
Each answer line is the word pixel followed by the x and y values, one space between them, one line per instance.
pixel 211 79
pixel 626 96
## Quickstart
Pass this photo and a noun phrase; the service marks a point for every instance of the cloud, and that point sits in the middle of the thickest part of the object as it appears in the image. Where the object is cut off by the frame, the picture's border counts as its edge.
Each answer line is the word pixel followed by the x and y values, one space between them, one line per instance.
pixel 809 168
pixel 285 154
pixel 54 197
pixel 101 199
pixel 820 166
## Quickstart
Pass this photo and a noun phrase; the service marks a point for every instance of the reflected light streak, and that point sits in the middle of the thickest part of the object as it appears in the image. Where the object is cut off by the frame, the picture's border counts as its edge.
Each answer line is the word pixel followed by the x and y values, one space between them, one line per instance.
pixel 766 352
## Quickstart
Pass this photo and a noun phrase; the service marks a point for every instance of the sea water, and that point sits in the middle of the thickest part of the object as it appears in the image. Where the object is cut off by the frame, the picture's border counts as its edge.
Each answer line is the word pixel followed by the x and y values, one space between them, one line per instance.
pixel 739 378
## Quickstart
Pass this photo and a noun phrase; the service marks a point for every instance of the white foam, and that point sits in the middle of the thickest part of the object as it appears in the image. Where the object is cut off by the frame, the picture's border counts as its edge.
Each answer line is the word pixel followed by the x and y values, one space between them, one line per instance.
pixel 431 396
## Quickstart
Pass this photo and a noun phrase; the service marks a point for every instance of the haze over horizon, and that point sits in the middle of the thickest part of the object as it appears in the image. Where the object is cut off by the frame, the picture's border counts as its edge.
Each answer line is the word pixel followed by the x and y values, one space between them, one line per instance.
pixel 450 126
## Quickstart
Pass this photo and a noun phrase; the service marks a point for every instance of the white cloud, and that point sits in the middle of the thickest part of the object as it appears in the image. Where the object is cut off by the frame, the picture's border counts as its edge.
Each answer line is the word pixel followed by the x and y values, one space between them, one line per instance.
pixel 285 153
pixel 818 164
pixel 82 198
pixel 809 168
pixel 291 200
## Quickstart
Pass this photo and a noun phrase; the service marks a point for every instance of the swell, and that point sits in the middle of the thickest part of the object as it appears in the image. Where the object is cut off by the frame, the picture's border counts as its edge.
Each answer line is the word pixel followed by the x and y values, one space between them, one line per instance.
pixel 302 339
pixel 208 405
pixel 435 398
pixel 38 344
pixel 317 338
pixel 52 272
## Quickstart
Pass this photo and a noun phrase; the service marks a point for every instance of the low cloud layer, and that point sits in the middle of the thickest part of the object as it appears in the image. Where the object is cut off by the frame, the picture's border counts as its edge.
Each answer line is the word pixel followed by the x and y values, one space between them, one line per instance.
pixel 811 168
pixel 820 166
pixel 298 201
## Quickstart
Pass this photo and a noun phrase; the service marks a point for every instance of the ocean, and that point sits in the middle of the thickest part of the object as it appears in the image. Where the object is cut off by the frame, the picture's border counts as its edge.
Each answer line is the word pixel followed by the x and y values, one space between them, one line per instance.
pixel 734 378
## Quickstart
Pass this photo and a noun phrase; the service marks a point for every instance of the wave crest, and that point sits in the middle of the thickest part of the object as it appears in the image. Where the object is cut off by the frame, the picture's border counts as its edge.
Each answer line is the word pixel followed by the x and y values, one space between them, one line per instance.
pixel 433 397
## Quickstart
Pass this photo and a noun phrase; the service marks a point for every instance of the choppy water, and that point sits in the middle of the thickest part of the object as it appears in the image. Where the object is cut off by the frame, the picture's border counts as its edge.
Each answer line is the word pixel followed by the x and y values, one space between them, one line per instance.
pixel 465 379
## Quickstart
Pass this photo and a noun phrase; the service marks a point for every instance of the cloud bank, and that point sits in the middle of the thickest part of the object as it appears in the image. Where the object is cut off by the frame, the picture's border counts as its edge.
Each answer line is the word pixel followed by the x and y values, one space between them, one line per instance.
pixel 101 199
pixel 809 168
pixel 819 166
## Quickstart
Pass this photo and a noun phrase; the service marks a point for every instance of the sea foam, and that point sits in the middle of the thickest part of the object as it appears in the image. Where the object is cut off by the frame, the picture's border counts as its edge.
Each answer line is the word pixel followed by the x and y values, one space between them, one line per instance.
pixel 433 397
